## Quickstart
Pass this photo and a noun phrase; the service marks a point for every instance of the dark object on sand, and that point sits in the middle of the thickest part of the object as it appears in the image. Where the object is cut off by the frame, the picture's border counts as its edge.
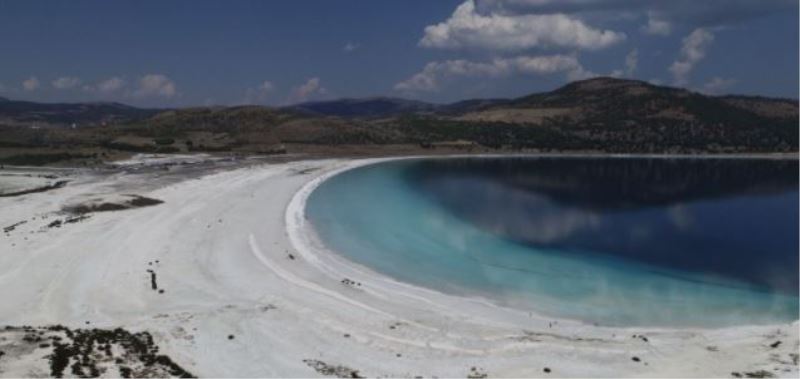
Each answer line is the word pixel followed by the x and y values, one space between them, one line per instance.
pixel 92 352
pixel 134 201
pixel 58 184
pixel 153 284
pixel 332 370
pixel 759 374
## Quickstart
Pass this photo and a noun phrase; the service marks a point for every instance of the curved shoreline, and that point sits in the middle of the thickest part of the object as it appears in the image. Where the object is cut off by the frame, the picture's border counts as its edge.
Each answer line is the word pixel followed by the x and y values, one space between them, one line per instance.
pixel 223 247
pixel 306 240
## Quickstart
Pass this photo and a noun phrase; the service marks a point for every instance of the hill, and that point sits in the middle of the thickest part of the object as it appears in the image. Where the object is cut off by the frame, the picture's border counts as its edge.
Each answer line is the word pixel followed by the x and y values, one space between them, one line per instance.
pixel 377 107
pixel 612 99
pixel 630 115
pixel 368 107
pixel 598 115
pixel 27 113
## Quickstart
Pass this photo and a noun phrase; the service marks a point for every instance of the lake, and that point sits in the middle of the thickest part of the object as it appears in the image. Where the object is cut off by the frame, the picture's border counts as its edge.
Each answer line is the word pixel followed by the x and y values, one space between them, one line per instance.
pixel 611 241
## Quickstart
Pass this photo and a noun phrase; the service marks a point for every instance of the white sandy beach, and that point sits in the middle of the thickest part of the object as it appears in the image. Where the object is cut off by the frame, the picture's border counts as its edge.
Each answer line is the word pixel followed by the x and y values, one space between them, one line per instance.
pixel 235 257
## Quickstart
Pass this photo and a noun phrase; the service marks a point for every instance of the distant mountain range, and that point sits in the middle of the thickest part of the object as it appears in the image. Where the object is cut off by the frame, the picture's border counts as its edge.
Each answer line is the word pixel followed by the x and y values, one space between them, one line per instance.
pixel 633 97
pixel 366 107
pixel 600 114
pixel 14 112
pixel 598 94
pixel 389 106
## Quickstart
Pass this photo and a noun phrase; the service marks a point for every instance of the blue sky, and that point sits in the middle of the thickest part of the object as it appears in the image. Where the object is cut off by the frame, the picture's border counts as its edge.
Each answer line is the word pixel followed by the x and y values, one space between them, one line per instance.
pixel 182 53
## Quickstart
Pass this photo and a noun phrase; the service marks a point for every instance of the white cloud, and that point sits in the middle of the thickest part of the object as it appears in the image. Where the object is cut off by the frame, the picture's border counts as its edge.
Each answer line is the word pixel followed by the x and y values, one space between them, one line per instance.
pixel 550 65
pixel 717 85
pixel 110 85
pixel 692 52
pixel 66 82
pixel 434 73
pixel 259 94
pixel 631 62
pixel 656 25
pixel 155 85
pixel 303 92
pixel 349 47
pixel 266 86
pixel 692 13
pixel 466 28
pixel 30 84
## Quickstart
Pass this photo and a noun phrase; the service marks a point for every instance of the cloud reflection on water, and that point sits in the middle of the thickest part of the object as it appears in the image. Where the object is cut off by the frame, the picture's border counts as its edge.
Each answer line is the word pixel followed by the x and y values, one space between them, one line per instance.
pixel 732 219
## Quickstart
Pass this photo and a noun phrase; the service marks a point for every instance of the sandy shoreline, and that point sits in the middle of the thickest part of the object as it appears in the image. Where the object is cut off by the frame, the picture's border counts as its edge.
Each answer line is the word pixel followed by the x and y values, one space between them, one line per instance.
pixel 235 258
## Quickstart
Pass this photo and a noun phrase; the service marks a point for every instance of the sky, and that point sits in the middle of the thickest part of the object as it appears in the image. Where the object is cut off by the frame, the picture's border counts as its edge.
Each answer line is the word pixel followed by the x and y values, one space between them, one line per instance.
pixel 195 53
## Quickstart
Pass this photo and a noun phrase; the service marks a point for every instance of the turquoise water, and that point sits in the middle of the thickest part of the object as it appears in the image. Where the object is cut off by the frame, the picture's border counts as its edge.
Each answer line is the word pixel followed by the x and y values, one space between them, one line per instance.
pixel 515 235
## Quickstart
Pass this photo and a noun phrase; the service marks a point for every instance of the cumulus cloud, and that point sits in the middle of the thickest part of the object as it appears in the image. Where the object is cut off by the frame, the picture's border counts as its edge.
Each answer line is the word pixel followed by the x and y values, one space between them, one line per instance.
pixel 467 28
pixel 691 13
pixel 266 86
pixel 155 85
pixel 350 47
pixel 656 25
pixel 660 17
pixel 693 51
pixel 66 82
pixel 717 85
pixel 31 84
pixel 259 94
pixel 434 73
pixel 616 74
pixel 304 91
pixel 110 85
pixel 631 62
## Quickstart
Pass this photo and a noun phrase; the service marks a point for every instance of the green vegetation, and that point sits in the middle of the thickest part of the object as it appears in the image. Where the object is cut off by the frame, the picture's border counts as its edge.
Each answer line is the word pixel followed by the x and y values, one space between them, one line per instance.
pixel 164 141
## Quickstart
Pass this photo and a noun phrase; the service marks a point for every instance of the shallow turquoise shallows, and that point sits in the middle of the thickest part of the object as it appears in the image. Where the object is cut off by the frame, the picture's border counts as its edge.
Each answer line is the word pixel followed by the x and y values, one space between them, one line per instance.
pixel 612 242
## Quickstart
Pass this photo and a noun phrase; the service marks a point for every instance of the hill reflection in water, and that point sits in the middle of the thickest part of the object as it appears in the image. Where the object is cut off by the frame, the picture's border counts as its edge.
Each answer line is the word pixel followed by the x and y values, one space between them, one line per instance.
pixel 731 218
pixel 667 242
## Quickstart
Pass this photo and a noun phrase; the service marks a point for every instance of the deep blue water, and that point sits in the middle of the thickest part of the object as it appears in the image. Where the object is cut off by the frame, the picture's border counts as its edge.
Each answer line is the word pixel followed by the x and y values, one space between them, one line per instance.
pixel 617 241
